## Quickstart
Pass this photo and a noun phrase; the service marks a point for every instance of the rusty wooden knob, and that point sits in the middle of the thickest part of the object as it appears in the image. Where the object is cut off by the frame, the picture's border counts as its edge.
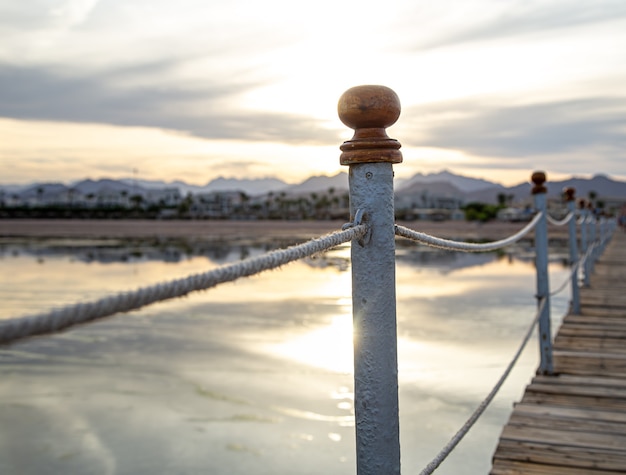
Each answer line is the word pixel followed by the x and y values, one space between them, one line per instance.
pixel 538 178
pixel 369 110
pixel 570 193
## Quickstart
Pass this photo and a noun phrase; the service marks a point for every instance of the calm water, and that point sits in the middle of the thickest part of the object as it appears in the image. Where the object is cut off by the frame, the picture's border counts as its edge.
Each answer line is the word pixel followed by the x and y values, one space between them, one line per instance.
pixel 252 377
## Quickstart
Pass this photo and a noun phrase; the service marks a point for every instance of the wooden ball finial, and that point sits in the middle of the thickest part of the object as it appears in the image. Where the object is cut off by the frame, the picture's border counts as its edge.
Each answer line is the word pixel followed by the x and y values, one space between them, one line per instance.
pixel 570 193
pixel 582 203
pixel 369 110
pixel 538 178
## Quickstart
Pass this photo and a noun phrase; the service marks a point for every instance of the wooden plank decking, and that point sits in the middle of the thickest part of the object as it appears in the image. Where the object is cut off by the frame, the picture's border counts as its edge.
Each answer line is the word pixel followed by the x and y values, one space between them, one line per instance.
pixel 575 423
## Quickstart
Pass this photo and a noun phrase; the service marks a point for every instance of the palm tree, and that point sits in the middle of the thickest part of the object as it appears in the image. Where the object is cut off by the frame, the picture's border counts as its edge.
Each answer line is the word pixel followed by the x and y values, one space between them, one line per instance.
pixel 592 197
pixel 71 192
pixel 137 200
pixel 245 198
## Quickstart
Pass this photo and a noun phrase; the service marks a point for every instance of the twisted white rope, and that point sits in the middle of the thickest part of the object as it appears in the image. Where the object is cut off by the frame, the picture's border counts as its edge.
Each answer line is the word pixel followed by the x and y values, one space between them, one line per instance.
pixel 441 456
pixel 54 321
pixel 562 222
pixel 581 262
pixel 566 281
pixel 466 246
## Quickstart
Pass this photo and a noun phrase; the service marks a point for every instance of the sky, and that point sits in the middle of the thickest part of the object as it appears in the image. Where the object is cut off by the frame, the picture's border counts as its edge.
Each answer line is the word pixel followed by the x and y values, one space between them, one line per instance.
pixel 197 89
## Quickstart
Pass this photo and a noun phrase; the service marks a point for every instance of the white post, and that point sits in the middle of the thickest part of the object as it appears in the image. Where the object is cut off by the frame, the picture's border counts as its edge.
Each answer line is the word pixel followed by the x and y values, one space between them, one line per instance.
pixel 541 262
pixel 584 241
pixel 573 249
pixel 370 154
pixel 603 234
pixel 593 238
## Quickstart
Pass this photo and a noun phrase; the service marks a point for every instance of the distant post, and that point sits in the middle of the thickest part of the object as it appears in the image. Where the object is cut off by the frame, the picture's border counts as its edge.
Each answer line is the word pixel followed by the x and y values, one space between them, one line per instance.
pixel 573 248
pixel 603 234
pixel 592 235
pixel 541 262
pixel 370 153
pixel 584 241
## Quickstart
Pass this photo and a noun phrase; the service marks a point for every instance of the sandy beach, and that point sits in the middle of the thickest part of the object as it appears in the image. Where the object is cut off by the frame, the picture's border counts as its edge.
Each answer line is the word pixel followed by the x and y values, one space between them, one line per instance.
pixel 214 229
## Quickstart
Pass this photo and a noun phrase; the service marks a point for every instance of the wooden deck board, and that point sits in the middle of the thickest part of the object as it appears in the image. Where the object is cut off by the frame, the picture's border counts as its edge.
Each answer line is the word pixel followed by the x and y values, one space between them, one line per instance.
pixel 510 467
pixel 575 422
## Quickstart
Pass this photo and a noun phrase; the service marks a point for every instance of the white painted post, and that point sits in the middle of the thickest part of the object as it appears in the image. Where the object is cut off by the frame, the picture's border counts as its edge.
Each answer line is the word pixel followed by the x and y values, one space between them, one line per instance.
pixel 592 236
pixel 541 262
pixel 370 154
pixel 584 242
pixel 603 234
pixel 573 248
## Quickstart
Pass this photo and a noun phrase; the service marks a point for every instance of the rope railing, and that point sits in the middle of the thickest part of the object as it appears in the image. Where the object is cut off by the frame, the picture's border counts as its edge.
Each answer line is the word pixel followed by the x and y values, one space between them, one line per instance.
pixel 462 432
pixel 369 110
pixel 12 330
pixel 561 222
pixel 575 268
pixel 466 246
pixel 461 246
pixel 543 294
pixel 566 281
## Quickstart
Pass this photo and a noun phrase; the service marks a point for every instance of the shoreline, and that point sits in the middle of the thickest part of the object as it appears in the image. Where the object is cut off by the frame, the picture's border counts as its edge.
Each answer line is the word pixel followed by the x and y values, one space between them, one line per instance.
pixel 233 229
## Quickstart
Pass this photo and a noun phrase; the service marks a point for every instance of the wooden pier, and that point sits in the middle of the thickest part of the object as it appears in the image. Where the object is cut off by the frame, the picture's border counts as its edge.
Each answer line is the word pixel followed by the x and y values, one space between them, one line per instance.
pixel 575 422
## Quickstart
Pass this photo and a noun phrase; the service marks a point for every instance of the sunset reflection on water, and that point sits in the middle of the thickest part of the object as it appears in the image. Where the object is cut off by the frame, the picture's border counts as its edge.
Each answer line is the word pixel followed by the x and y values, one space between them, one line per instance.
pixel 253 376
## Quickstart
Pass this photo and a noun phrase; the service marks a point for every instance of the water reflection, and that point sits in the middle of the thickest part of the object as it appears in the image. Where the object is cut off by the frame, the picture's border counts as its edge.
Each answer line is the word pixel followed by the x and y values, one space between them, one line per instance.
pixel 254 376
pixel 324 347
pixel 115 250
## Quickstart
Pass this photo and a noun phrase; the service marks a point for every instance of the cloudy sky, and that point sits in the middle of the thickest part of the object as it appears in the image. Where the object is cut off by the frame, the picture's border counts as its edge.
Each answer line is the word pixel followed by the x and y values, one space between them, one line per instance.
pixel 196 89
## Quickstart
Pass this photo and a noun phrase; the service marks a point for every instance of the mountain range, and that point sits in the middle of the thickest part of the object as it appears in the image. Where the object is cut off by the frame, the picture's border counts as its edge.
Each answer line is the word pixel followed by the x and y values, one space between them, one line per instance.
pixel 444 183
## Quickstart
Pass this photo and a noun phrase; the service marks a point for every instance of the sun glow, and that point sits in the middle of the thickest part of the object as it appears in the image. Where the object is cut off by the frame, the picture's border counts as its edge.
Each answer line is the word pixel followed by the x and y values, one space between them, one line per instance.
pixel 40 148
pixel 328 347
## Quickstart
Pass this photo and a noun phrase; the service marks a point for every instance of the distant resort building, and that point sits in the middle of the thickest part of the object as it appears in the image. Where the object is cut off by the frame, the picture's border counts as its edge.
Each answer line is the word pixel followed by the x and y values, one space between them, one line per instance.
pixel 218 204
pixel 419 201
pixel 515 215
pixel 168 197
pixel 429 206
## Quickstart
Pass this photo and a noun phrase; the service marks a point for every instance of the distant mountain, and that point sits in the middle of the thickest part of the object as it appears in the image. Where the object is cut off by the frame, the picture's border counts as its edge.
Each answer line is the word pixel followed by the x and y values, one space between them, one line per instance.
pixel 258 186
pixel 150 184
pixel 44 189
pixel 442 184
pixel 601 185
pixel 320 183
pixel 183 188
pixel 461 183
pixel 10 189
pixel 253 187
pixel 96 186
pixel 85 187
pixel 438 188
